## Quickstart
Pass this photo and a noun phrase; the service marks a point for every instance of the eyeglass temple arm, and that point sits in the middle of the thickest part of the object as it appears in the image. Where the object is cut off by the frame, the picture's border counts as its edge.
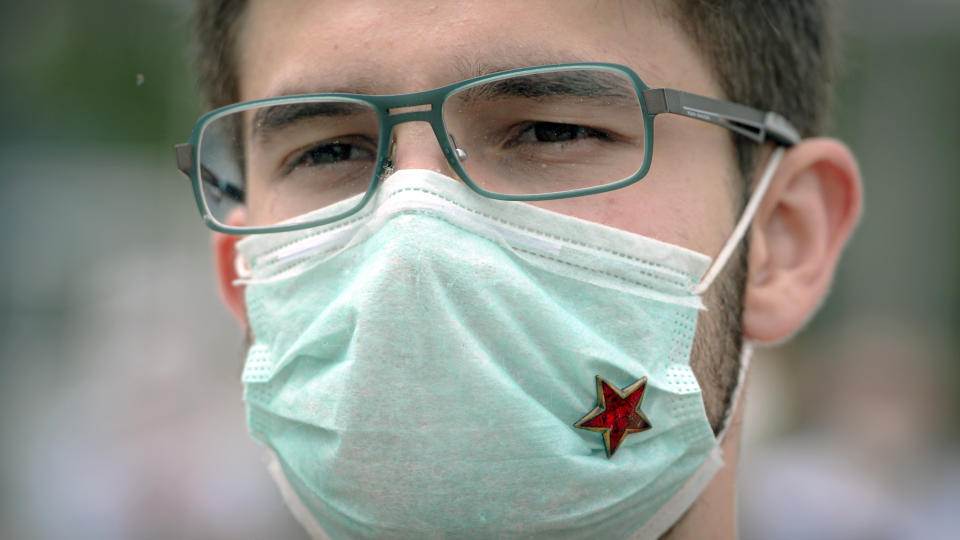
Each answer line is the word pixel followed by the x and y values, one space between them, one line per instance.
pixel 750 123
pixel 185 163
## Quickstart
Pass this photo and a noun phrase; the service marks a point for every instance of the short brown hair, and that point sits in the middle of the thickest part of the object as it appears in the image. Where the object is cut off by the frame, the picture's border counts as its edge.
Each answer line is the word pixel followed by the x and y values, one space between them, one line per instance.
pixel 773 55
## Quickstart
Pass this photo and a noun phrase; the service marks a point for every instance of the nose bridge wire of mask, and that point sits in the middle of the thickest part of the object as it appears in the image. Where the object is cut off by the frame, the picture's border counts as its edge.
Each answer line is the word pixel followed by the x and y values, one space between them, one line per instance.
pixel 331 242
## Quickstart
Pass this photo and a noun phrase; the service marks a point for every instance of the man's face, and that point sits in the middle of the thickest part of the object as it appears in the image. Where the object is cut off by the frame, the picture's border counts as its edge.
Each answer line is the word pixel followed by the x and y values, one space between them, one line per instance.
pixel 403 46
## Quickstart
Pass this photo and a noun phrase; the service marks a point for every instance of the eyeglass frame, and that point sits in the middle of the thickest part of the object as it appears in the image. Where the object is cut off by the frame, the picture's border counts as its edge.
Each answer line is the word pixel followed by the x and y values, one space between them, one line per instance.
pixel 751 123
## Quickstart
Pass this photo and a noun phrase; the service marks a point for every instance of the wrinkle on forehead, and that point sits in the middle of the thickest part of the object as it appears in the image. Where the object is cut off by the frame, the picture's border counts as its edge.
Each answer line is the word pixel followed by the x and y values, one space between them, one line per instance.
pixel 353 79
pixel 404 46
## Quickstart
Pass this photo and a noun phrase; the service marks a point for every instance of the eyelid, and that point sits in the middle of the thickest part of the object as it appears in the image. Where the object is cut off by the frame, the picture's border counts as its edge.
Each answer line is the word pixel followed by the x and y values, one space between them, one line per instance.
pixel 293 157
pixel 269 120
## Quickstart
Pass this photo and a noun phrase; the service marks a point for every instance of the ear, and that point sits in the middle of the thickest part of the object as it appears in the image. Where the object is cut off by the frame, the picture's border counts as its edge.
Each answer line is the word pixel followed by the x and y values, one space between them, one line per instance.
pixel 225 256
pixel 797 236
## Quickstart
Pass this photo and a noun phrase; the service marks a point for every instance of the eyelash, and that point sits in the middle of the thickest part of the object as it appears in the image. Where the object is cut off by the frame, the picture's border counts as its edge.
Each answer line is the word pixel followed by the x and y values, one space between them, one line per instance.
pixel 579 133
pixel 300 157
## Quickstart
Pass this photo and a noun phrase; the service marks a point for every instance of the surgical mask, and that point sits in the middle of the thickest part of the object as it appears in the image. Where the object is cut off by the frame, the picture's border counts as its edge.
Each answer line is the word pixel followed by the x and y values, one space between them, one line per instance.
pixel 417 369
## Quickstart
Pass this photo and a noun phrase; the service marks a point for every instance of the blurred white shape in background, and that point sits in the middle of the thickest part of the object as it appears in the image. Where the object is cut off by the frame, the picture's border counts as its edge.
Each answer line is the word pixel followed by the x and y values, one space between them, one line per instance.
pixel 872 458
pixel 119 379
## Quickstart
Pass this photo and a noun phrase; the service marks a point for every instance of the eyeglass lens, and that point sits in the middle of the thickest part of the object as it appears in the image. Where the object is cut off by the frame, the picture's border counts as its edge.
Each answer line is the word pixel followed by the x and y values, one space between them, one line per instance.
pixel 528 134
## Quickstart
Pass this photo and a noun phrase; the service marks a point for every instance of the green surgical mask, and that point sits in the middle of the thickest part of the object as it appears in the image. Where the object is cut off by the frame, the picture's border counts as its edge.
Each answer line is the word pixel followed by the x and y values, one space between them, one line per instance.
pixel 418 369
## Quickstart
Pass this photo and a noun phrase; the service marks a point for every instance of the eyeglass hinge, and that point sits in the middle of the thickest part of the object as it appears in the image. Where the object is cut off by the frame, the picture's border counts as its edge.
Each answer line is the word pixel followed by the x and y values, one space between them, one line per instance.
pixel 184 157
pixel 780 129
pixel 656 100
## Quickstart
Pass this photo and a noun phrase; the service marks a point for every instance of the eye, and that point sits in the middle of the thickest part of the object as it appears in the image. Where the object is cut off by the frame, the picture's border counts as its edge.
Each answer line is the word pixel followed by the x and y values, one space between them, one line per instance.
pixel 546 132
pixel 329 153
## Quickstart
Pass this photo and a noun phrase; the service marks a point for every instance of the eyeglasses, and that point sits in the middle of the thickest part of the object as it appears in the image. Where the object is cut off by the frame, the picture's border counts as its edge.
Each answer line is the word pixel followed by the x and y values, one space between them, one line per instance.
pixel 529 134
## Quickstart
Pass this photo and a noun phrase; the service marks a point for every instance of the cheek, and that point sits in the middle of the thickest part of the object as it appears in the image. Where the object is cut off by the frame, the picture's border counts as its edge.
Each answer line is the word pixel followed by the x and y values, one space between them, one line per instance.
pixel 695 213
pixel 686 198
pixel 692 179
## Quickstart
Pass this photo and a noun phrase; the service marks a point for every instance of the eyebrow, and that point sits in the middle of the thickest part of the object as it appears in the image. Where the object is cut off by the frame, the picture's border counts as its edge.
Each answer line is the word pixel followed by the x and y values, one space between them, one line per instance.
pixel 581 83
pixel 463 67
pixel 268 120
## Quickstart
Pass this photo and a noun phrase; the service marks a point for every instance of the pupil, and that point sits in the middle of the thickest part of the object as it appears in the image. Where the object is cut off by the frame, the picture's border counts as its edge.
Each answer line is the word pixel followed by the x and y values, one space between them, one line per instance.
pixel 330 153
pixel 552 132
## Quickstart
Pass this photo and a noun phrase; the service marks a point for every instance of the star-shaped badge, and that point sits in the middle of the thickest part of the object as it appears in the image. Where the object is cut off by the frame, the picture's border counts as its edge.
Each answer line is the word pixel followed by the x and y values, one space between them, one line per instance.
pixel 617 413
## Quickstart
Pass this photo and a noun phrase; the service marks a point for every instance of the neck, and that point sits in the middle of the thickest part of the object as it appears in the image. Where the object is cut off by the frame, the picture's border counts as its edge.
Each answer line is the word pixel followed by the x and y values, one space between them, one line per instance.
pixel 714 515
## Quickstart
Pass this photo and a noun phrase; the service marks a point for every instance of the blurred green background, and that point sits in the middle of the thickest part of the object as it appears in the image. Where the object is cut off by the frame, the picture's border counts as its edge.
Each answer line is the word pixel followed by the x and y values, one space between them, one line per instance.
pixel 120 401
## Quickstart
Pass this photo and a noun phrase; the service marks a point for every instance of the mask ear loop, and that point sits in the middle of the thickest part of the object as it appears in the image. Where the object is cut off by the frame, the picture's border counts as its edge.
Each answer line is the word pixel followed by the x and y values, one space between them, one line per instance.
pixel 746 354
pixel 743 224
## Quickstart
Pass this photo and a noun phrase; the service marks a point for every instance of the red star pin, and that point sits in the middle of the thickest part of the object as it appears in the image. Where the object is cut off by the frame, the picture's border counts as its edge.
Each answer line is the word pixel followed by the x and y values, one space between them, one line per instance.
pixel 617 414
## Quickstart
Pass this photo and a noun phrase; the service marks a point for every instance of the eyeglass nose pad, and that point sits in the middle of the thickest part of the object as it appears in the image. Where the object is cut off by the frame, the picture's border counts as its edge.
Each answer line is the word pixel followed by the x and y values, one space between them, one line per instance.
pixel 460 152
pixel 390 159
pixel 392 152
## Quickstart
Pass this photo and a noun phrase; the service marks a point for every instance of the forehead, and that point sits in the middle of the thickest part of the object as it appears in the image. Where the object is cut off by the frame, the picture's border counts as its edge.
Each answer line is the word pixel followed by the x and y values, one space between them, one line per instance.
pixel 399 46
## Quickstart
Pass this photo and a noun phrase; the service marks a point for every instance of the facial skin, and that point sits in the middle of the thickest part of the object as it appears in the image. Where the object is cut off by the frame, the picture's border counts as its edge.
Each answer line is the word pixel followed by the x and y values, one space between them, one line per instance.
pixel 690 197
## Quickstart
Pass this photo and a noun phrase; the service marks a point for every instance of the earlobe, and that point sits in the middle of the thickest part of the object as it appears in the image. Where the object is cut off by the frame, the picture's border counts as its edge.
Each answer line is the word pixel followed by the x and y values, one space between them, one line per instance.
pixel 797 237
pixel 225 255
